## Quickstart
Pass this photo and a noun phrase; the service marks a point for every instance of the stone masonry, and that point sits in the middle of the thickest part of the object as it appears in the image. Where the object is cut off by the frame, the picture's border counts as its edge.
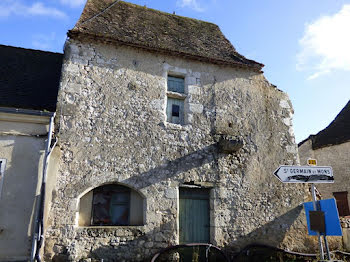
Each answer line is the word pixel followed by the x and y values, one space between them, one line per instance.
pixel 113 129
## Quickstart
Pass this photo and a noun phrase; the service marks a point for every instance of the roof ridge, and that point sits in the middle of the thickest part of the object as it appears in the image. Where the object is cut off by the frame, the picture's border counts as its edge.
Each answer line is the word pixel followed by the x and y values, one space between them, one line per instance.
pixel 101 12
pixel 330 135
pixel 144 7
pixel 30 49
pixel 166 13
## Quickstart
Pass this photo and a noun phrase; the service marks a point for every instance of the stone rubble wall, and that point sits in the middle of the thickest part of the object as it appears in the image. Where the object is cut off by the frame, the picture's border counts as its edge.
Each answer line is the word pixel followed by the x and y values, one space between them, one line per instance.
pixel 112 128
pixel 335 156
pixel 345 224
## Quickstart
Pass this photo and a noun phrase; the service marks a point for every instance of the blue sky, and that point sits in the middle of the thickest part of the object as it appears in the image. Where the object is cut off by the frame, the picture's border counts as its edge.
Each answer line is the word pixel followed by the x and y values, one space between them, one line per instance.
pixel 303 44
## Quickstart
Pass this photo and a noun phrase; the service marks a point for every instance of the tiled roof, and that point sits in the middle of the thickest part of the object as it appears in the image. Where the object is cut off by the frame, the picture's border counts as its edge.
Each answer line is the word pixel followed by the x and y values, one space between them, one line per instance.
pixel 146 28
pixel 337 132
pixel 29 79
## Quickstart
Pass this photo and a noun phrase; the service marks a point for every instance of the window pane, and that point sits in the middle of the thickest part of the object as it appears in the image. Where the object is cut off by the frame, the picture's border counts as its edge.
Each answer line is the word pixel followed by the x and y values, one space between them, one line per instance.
pixel 176 84
pixel 101 204
pixel 111 205
pixel 122 197
pixel 175 111
pixel 119 214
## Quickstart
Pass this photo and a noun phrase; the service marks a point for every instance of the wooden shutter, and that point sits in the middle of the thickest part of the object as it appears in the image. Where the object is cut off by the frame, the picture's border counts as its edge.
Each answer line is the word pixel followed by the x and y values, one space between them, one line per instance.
pixel 342 203
pixel 176 84
pixel 176 117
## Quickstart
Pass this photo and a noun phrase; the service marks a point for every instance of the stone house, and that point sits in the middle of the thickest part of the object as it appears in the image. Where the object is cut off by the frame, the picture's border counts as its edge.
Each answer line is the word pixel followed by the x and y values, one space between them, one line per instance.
pixel 29 81
pixel 166 135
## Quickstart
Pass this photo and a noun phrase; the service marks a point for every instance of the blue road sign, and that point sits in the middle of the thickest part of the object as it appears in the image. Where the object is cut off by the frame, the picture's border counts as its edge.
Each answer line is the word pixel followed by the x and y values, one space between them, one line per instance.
pixel 331 216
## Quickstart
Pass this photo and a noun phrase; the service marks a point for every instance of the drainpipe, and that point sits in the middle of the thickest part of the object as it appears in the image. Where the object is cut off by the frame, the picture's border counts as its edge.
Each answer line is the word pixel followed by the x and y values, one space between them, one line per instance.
pixel 38 233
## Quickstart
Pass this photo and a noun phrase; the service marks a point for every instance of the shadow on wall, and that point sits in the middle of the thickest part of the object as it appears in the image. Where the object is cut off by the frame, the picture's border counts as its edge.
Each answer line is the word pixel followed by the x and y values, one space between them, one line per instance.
pixel 175 167
pixel 112 246
pixel 124 243
pixel 272 233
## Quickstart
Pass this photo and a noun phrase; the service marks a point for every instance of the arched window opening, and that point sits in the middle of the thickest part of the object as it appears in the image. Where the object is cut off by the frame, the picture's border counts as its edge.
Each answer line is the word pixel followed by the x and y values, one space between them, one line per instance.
pixel 111 205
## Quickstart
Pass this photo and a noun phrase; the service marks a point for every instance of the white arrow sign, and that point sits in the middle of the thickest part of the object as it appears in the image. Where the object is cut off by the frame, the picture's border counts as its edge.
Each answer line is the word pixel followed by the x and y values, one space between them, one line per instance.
pixel 305 174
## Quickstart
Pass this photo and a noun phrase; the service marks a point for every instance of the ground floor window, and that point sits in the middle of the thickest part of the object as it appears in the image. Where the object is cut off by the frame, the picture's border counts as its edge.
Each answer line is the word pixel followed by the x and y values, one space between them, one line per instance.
pixel 111 205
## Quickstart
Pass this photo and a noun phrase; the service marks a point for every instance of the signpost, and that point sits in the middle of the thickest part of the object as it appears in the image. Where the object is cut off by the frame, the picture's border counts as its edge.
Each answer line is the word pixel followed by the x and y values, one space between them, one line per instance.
pixel 310 174
pixel 305 174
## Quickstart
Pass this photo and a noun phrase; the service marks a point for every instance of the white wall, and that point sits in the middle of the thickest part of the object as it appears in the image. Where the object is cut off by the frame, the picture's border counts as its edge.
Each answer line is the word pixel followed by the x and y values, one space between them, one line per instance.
pixel 24 150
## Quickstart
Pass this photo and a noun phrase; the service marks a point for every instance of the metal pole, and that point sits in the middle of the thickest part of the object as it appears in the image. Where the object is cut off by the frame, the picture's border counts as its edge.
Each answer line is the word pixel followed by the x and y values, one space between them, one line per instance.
pixel 327 247
pixel 313 191
pixel 38 235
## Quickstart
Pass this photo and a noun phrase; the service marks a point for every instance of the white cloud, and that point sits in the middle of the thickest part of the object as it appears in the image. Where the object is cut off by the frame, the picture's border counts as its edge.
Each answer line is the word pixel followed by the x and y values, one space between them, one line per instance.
pixel 193 4
pixel 39 9
pixel 325 44
pixel 15 7
pixel 73 3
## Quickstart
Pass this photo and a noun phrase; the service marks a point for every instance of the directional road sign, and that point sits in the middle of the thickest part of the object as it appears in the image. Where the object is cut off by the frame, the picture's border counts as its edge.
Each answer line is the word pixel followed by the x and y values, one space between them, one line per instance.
pixel 305 174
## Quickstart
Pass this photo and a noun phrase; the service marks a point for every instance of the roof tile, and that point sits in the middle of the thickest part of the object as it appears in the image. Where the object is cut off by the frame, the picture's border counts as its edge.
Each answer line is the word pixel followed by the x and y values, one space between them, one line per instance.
pixel 29 79
pixel 154 30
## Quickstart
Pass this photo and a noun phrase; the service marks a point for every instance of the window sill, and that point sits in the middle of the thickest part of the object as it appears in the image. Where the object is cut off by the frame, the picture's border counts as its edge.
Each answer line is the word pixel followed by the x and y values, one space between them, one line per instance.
pixel 109 227
pixel 180 127
pixel 176 95
pixel 110 231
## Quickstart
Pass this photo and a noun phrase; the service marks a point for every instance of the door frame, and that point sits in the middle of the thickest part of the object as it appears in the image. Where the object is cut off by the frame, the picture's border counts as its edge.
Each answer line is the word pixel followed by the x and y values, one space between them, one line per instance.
pixel 211 208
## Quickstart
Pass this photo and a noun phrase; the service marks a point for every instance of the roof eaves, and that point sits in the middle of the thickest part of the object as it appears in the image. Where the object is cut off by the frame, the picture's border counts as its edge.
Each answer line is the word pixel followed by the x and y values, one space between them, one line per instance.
pixel 75 33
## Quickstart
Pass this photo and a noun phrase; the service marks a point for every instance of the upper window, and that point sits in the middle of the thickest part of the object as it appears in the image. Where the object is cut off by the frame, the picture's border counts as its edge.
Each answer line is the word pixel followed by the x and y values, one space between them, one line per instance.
pixel 111 205
pixel 175 100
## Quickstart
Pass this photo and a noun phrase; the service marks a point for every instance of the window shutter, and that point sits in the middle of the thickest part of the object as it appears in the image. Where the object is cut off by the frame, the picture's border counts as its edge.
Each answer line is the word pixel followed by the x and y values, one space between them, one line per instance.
pixel 342 203
pixel 176 84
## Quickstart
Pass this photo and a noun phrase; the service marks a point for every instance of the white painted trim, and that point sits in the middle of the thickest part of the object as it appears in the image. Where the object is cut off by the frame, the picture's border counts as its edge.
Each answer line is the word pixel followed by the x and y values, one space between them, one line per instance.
pixel 2 171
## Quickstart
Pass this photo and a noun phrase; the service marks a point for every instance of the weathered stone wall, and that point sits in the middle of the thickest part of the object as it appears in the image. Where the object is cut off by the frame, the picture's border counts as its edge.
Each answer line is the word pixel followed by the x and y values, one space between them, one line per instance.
pixel 336 156
pixel 112 128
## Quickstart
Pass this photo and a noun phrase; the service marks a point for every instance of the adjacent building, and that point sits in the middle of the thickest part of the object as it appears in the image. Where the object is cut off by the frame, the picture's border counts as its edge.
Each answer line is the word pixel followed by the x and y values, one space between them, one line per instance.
pixel 331 147
pixel 29 81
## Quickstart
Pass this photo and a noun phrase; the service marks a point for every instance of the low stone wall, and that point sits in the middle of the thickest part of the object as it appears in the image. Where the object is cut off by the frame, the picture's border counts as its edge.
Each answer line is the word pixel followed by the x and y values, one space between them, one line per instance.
pixel 345 224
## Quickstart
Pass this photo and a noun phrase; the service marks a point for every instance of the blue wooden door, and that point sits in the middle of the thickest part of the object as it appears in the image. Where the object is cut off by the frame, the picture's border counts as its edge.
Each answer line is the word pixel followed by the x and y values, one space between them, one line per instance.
pixel 194 215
